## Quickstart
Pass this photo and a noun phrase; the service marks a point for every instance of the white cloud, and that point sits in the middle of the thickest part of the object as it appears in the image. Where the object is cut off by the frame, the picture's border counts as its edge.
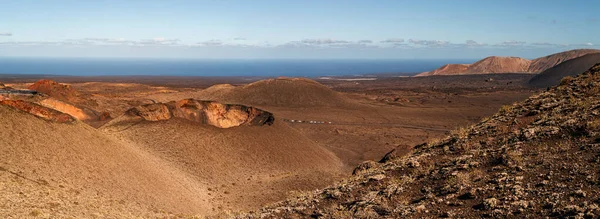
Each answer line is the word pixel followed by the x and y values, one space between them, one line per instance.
pixel 512 43
pixel 429 43
pixel 473 43
pixel 393 40
pixel 544 44
pixel 5 34
pixel 30 43
pixel 211 43
pixel 159 41
pixel 323 41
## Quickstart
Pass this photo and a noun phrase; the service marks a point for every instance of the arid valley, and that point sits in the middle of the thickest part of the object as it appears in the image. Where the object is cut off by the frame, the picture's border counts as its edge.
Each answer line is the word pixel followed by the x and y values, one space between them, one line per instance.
pixel 218 146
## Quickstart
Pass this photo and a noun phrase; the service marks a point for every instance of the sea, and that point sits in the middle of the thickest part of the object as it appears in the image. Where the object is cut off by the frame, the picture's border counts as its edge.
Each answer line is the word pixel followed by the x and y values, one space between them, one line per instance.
pixel 221 67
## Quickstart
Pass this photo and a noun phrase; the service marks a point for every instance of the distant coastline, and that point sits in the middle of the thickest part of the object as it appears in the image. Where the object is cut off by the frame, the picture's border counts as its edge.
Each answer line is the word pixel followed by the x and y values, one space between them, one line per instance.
pixel 217 67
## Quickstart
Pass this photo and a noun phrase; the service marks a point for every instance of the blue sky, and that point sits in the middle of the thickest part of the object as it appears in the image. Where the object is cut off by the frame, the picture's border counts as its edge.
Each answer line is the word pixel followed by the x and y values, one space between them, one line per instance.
pixel 314 29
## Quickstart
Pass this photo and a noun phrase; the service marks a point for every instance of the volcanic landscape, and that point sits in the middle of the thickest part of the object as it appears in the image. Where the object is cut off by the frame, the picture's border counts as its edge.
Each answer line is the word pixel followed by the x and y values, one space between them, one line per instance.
pixel 159 146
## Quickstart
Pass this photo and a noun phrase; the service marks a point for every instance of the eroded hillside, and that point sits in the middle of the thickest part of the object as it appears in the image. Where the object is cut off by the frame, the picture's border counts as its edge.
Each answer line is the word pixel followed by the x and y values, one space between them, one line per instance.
pixel 536 158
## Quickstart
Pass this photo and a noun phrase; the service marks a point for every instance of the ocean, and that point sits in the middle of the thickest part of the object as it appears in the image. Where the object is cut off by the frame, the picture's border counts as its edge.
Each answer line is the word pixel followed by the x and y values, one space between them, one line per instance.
pixel 204 67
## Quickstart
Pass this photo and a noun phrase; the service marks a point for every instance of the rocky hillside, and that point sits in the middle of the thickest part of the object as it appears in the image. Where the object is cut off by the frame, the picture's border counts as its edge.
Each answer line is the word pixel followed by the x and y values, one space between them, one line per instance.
pixel 495 64
pixel 552 76
pixel 535 158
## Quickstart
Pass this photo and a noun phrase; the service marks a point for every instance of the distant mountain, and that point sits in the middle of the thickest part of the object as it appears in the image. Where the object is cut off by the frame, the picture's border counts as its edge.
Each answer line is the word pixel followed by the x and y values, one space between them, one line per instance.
pixel 496 64
pixel 552 76
pixel 546 62
pixel 448 69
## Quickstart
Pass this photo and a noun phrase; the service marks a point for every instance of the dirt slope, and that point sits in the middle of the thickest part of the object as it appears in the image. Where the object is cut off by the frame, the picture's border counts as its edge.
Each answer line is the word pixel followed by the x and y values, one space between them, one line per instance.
pixel 543 63
pixel 536 158
pixel 552 76
pixel 72 170
pixel 245 166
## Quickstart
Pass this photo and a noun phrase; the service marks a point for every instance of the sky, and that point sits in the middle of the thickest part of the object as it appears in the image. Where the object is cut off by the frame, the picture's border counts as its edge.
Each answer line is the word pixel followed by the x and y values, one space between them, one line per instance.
pixel 306 29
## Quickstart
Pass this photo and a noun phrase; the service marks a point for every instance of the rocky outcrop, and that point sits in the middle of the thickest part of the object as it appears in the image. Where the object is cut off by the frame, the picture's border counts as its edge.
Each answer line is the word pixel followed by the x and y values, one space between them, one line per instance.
pixel 39 111
pixel 67 108
pixel 538 158
pixel 218 114
pixel 203 112
pixel 151 112
pixel 54 89
pixel 64 98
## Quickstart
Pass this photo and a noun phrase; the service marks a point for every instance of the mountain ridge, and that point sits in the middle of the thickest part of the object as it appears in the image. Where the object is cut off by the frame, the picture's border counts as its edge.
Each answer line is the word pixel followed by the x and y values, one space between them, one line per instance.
pixel 507 64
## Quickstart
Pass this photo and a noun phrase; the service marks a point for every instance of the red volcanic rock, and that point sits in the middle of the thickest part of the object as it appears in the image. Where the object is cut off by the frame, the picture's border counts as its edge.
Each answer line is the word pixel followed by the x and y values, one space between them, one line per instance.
pixel 218 114
pixel 39 111
pixel 54 89
pixel 203 112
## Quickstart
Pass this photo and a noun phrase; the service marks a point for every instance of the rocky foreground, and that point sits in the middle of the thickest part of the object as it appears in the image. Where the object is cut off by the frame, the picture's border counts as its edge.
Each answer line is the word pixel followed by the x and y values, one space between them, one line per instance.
pixel 536 158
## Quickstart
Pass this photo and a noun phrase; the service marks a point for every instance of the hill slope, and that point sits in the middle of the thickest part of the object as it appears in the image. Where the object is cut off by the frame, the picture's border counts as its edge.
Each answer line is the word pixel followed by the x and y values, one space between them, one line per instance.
pixel 288 92
pixel 496 64
pixel 72 170
pixel 245 166
pixel 552 76
pixel 448 69
pixel 536 158
pixel 543 63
